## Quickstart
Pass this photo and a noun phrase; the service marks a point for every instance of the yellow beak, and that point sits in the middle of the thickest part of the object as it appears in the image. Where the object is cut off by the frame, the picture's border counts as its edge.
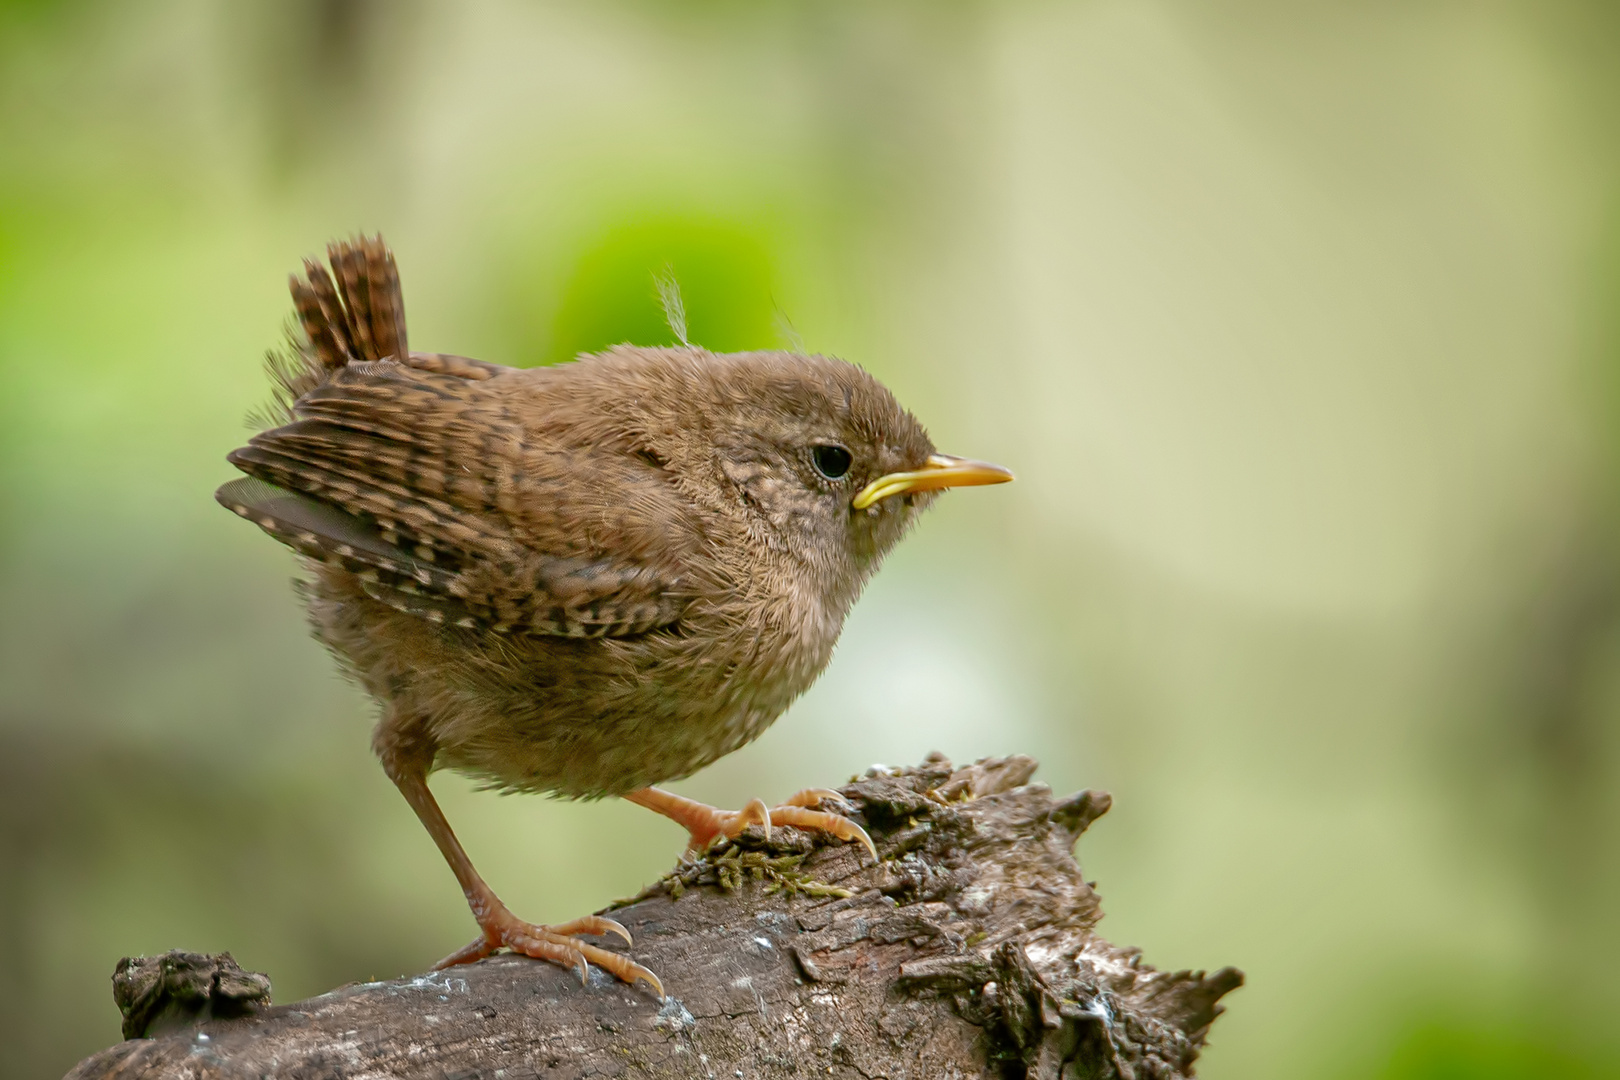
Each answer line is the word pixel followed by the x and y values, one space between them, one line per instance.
pixel 941 471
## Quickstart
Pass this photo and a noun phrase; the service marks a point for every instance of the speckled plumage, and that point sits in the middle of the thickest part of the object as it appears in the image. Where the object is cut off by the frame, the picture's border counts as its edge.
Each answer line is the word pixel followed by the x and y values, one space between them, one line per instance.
pixel 582 579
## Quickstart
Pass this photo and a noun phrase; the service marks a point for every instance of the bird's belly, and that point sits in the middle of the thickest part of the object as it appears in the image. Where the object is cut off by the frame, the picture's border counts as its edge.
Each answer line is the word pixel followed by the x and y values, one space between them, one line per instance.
pixel 576 717
pixel 585 719
pixel 611 755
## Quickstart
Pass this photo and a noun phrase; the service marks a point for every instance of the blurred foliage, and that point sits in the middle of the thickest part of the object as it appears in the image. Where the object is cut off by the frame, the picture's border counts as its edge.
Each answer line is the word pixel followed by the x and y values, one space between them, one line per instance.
pixel 723 273
pixel 1492 1053
pixel 1297 322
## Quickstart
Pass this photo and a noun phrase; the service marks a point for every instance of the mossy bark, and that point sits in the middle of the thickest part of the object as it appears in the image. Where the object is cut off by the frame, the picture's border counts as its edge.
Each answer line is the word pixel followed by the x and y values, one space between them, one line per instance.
pixel 967 951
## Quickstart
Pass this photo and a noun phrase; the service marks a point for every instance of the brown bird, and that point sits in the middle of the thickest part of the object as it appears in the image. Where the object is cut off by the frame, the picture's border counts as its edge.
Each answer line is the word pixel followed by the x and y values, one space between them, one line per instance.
pixel 581 580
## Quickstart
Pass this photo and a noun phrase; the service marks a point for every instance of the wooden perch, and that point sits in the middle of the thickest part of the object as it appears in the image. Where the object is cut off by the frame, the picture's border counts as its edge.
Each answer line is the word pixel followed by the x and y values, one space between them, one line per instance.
pixel 968 951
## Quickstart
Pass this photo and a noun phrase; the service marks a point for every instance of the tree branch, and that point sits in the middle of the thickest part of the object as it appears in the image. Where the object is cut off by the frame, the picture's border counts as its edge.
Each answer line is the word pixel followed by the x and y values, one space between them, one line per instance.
pixel 968 951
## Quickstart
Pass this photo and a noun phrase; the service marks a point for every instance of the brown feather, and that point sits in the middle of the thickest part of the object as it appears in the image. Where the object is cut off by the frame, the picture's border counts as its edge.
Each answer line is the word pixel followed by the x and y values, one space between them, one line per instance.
pixel 321 315
pixel 582 579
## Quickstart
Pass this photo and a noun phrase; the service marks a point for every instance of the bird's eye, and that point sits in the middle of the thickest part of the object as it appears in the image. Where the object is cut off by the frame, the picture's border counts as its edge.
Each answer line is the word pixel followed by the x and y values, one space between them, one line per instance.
pixel 832 460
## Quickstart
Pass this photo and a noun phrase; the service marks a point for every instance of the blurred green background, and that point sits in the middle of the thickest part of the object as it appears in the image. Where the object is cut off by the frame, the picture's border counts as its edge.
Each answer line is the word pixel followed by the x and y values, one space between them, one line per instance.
pixel 1298 322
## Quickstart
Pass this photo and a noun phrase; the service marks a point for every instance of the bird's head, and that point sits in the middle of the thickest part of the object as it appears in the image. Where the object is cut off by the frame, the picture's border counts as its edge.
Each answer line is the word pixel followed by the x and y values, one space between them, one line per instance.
pixel 813 453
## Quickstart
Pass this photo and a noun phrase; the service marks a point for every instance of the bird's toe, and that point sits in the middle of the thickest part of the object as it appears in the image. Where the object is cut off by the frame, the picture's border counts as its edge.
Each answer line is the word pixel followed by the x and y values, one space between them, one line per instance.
pixel 821 821
pixel 558 945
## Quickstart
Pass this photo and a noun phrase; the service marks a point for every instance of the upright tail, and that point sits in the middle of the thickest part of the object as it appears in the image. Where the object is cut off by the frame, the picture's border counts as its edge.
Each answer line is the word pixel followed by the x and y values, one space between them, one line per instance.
pixel 359 318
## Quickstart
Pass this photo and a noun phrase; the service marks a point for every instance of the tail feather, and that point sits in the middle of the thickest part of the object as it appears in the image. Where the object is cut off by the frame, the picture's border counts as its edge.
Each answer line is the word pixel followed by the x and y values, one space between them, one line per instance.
pixel 349 267
pixel 320 312
pixel 358 318
pixel 386 302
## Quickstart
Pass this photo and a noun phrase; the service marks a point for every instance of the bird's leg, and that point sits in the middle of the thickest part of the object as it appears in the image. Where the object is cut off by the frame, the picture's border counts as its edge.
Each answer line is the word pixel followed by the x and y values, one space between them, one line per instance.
pixel 706 824
pixel 557 944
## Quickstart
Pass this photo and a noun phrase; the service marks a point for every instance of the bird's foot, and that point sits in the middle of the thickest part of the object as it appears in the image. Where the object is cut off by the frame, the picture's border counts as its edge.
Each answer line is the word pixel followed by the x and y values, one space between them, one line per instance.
pixel 708 825
pixel 559 945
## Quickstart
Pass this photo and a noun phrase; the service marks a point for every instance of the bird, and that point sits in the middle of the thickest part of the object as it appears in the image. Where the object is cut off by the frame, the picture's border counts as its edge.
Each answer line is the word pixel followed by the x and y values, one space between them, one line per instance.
pixel 581 580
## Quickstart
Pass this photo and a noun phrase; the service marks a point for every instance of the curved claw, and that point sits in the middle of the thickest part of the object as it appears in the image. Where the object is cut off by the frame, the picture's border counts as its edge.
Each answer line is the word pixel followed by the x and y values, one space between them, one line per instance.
pixel 755 813
pixel 650 979
pixel 860 834
pixel 592 924
pixel 832 824
pixel 621 967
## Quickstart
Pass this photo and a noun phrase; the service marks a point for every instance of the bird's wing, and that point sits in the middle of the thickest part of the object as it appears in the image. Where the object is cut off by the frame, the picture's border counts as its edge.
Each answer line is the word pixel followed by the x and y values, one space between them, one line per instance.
pixel 419 478
pixel 428 488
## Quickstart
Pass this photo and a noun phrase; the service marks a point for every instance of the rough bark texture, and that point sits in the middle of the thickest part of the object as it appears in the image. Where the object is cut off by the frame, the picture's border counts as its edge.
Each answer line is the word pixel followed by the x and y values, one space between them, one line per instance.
pixel 967 951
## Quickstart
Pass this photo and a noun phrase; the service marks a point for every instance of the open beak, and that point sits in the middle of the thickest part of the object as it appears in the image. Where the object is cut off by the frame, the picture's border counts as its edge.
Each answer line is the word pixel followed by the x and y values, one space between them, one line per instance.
pixel 941 471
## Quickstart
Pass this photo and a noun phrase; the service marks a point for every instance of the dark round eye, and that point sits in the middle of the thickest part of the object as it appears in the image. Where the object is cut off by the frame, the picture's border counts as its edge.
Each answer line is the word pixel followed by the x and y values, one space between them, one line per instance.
pixel 832 460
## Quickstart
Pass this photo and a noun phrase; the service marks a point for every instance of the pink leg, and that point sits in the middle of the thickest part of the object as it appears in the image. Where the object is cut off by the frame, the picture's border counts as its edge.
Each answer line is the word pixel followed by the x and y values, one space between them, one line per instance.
pixel 502 929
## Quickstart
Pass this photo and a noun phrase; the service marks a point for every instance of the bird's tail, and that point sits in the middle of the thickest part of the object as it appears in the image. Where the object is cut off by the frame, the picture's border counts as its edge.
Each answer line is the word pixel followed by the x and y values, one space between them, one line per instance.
pixel 354 314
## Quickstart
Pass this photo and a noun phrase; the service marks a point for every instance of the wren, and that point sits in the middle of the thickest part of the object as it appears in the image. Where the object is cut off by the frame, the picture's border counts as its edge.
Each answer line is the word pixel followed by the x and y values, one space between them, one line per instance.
pixel 581 580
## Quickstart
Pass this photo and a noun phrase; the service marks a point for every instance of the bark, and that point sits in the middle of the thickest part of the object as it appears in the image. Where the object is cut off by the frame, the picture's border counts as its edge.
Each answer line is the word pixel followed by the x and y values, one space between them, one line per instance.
pixel 968 951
